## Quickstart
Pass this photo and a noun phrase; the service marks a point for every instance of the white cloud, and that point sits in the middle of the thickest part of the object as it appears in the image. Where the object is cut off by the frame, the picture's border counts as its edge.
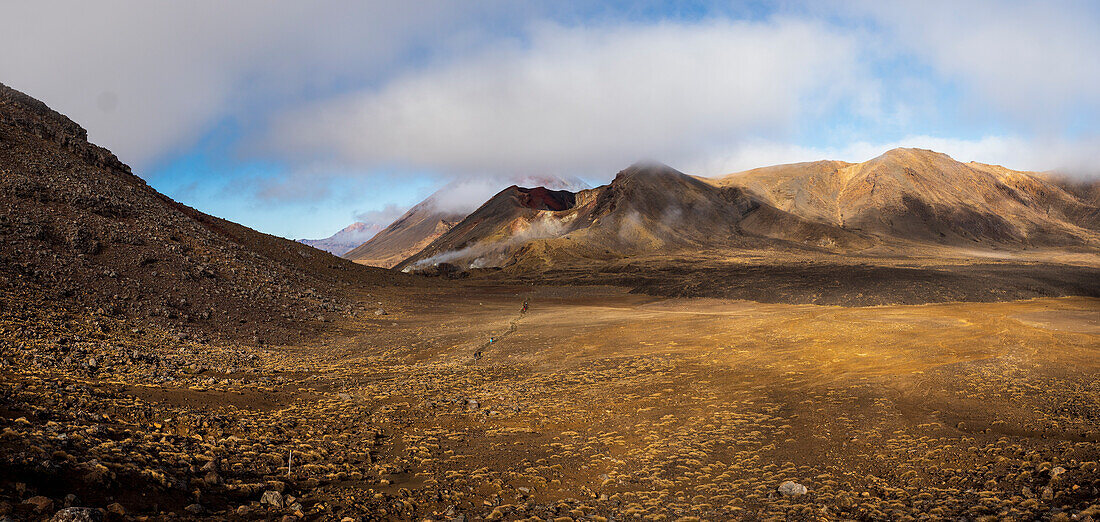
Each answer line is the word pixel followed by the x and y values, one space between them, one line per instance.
pixel 149 78
pixel 444 88
pixel 1034 61
pixel 590 99
pixel 383 216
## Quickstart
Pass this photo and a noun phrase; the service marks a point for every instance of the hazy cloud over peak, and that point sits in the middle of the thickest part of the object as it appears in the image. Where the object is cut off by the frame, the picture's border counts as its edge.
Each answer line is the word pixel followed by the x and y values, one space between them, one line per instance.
pixel 383 216
pixel 549 87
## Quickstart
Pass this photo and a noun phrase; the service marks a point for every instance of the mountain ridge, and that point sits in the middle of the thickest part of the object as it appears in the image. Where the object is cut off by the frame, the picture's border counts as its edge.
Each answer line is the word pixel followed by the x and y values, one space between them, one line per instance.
pixel 646 207
pixel 924 195
pixel 903 198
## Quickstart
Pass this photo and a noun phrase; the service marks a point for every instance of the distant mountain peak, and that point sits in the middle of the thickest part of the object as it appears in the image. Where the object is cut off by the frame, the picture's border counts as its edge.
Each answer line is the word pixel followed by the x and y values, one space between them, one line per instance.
pixel 910 153
pixel 346 239
pixel 649 167
pixel 359 226
pixel 647 172
pixel 648 164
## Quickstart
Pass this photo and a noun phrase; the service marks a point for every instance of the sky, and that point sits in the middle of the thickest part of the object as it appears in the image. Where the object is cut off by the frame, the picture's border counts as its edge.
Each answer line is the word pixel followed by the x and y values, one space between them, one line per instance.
pixel 299 118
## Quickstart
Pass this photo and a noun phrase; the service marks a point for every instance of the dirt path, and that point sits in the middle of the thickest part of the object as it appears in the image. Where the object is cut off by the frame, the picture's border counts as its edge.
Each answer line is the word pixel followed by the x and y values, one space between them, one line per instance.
pixel 513 325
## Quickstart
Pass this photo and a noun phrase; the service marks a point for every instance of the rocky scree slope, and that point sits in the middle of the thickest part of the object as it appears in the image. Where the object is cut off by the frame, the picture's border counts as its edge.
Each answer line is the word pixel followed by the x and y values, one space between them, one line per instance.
pixel 81 232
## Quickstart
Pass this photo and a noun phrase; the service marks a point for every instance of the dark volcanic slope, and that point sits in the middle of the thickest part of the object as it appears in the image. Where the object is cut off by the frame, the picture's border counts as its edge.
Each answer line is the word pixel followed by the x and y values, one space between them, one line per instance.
pixel 79 231
pixel 433 217
pixel 834 283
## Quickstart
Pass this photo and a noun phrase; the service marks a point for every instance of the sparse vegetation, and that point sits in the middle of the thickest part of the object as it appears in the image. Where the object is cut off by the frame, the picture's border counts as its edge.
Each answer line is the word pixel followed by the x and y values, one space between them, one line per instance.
pixel 652 408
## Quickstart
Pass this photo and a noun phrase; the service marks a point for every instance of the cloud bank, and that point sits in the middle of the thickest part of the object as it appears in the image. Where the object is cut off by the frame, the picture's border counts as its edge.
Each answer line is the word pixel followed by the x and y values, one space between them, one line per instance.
pixel 150 78
pixel 383 216
pixel 588 99
pixel 1035 62
pixel 497 88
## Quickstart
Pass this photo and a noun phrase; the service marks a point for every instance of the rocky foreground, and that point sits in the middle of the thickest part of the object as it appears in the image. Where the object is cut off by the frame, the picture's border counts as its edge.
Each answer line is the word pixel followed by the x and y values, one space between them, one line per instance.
pixel 629 415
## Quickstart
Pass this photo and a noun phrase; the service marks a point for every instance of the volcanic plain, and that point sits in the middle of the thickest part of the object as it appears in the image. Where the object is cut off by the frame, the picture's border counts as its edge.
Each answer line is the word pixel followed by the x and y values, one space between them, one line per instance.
pixel 594 403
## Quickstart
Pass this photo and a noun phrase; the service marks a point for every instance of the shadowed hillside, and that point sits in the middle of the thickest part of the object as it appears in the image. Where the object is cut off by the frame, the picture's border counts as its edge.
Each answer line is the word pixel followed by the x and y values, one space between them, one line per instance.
pixel 80 231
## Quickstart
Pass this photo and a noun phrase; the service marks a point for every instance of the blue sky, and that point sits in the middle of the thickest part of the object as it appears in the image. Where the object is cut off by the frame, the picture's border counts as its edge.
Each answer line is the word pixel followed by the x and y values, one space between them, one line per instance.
pixel 299 118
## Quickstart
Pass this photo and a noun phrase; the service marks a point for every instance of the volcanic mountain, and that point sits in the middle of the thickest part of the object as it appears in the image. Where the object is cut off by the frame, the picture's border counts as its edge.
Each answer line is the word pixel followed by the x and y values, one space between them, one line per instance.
pixel 406 236
pixel 921 195
pixel 346 239
pixel 433 217
pixel 80 232
pixel 646 208
pixel 902 199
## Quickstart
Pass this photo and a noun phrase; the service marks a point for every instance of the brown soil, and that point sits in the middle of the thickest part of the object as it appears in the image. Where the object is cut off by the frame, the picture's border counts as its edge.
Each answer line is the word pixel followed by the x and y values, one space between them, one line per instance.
pixel 596 402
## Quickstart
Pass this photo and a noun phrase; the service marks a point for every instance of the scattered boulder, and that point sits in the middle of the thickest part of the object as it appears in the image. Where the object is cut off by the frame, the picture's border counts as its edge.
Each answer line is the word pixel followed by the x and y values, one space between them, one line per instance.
pixel 272 498
pixel 792 489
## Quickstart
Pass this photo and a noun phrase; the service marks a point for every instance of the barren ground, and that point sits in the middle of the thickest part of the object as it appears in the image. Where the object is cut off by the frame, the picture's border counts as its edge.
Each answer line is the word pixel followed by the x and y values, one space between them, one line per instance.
pixel 596 402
